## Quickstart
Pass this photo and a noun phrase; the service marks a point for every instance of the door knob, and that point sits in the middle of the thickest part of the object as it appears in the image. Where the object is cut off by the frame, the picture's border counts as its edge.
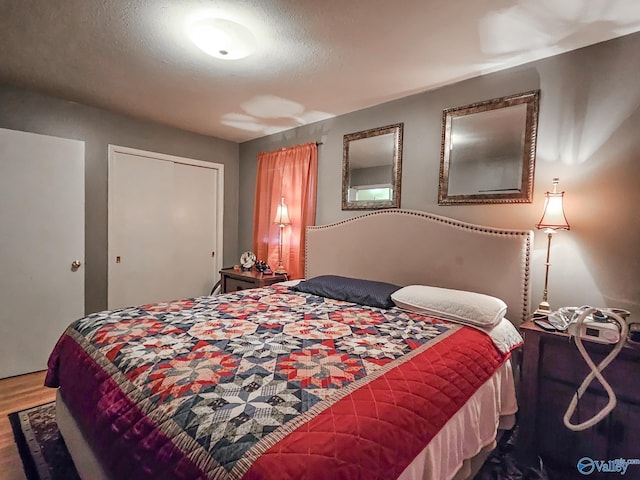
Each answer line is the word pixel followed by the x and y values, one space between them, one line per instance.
pixel 75 265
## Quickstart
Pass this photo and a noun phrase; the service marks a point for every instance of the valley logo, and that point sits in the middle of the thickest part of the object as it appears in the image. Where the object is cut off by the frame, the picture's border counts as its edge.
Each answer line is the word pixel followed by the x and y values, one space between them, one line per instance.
pixel 587 465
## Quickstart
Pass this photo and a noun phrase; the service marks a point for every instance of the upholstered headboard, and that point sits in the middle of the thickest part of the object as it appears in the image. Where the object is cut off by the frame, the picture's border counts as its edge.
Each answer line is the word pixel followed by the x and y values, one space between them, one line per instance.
pixel 409 247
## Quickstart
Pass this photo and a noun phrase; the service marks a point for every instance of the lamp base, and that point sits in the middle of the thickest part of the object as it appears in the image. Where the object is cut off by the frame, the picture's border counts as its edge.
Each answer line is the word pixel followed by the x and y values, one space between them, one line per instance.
pixel 544 309
pixel 280 270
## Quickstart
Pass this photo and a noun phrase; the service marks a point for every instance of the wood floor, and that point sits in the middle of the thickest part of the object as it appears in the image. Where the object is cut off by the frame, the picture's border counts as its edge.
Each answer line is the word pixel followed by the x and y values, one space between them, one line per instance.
pixel 18 393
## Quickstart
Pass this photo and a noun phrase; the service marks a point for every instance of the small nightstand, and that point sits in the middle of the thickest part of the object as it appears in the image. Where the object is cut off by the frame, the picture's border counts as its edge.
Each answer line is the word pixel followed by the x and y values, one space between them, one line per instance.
pixel 233 280
pixel 552 370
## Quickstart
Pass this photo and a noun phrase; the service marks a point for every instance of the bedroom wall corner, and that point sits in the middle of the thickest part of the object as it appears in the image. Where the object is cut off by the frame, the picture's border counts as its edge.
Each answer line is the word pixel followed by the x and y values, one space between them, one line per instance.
pixel 28 111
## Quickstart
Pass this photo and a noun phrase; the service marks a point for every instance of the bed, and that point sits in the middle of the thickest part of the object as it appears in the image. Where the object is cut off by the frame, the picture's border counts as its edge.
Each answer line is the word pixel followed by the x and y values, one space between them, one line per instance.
pixel 291 381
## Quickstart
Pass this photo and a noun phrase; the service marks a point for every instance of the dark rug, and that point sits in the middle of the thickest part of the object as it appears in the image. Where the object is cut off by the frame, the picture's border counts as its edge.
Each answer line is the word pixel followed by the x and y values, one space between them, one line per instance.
pixel 41 447
pixel 45 456
pixel 503 465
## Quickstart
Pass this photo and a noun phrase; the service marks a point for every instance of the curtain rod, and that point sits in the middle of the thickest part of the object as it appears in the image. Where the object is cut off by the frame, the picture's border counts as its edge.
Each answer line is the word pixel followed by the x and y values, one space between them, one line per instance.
pixel 284 148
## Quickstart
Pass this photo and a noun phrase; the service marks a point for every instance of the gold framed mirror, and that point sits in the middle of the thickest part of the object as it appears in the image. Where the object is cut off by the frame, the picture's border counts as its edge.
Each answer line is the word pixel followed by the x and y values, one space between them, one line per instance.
pixel 489 151
pixel 372 168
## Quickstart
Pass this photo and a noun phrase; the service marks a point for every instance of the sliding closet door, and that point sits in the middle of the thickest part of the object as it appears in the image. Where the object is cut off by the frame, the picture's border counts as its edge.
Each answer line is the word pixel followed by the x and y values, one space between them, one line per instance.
pixel 140 234
pixel 163 228
pixel 41 235
pixel 194 230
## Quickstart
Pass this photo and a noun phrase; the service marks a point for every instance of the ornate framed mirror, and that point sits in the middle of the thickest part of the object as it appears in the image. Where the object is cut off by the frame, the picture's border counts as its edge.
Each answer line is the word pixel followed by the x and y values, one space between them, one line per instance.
pixel 489 151
pixel 372 168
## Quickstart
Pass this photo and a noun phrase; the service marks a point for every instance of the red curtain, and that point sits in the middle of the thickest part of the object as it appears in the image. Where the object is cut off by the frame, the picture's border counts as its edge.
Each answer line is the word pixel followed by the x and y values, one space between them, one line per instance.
pixel 291 173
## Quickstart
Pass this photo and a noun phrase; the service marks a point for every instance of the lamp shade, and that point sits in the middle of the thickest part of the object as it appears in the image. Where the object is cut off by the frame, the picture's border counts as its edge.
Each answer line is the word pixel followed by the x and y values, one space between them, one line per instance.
pixel 553 214
pixel 282 214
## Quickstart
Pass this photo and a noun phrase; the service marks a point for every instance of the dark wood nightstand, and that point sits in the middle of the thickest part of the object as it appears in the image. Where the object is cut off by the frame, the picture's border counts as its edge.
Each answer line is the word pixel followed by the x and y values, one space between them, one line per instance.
pixel 552 370
pixel 233 280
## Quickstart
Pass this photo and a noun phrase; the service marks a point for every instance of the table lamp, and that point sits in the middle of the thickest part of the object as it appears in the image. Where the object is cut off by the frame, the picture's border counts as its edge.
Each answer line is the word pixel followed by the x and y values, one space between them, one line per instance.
pixel 282 220
pixel 552 219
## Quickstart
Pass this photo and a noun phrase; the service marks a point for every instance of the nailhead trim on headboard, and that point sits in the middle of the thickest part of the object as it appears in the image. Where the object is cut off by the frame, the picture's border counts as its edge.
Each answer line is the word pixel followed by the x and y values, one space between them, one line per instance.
pixel 527 234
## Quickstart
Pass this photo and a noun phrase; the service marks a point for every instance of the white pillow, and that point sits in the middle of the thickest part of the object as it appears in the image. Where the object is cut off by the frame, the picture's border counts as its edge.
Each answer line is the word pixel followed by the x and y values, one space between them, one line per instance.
pixel 455 305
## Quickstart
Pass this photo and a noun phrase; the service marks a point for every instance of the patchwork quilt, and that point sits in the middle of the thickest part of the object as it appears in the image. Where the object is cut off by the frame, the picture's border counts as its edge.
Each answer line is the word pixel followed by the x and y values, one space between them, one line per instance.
pixel 265 384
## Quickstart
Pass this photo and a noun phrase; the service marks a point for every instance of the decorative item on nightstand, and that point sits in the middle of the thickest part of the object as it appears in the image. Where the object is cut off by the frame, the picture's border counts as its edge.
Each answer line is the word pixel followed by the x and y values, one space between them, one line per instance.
pixel 261 266
pixel 282 220
pixel 553 219
pixel 247 260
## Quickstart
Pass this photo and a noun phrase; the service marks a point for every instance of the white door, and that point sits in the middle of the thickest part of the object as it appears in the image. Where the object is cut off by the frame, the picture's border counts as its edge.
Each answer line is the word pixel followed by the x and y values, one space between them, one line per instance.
pixel 164 227
pixel 42 234
pixel 194 235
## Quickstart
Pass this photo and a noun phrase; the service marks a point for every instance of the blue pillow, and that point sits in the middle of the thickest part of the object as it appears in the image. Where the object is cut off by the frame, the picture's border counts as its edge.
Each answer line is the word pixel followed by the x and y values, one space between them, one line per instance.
pixel 355 290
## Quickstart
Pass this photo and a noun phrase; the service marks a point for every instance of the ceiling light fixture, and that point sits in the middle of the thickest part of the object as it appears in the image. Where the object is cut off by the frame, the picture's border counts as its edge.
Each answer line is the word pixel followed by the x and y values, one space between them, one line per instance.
pixel 222 38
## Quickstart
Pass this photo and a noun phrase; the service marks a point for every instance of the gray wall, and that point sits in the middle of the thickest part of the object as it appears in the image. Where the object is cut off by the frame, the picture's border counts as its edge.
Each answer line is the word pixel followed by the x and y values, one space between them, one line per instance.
pixel 589 136
pixel 31 112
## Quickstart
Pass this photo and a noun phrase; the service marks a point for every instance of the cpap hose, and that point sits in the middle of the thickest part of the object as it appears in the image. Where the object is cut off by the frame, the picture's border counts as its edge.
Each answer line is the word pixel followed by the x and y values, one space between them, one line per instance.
pixel 596 372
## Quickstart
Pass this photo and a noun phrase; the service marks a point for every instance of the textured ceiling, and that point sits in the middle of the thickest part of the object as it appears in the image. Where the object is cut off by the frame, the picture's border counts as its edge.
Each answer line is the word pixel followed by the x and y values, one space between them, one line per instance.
pixel 315 59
